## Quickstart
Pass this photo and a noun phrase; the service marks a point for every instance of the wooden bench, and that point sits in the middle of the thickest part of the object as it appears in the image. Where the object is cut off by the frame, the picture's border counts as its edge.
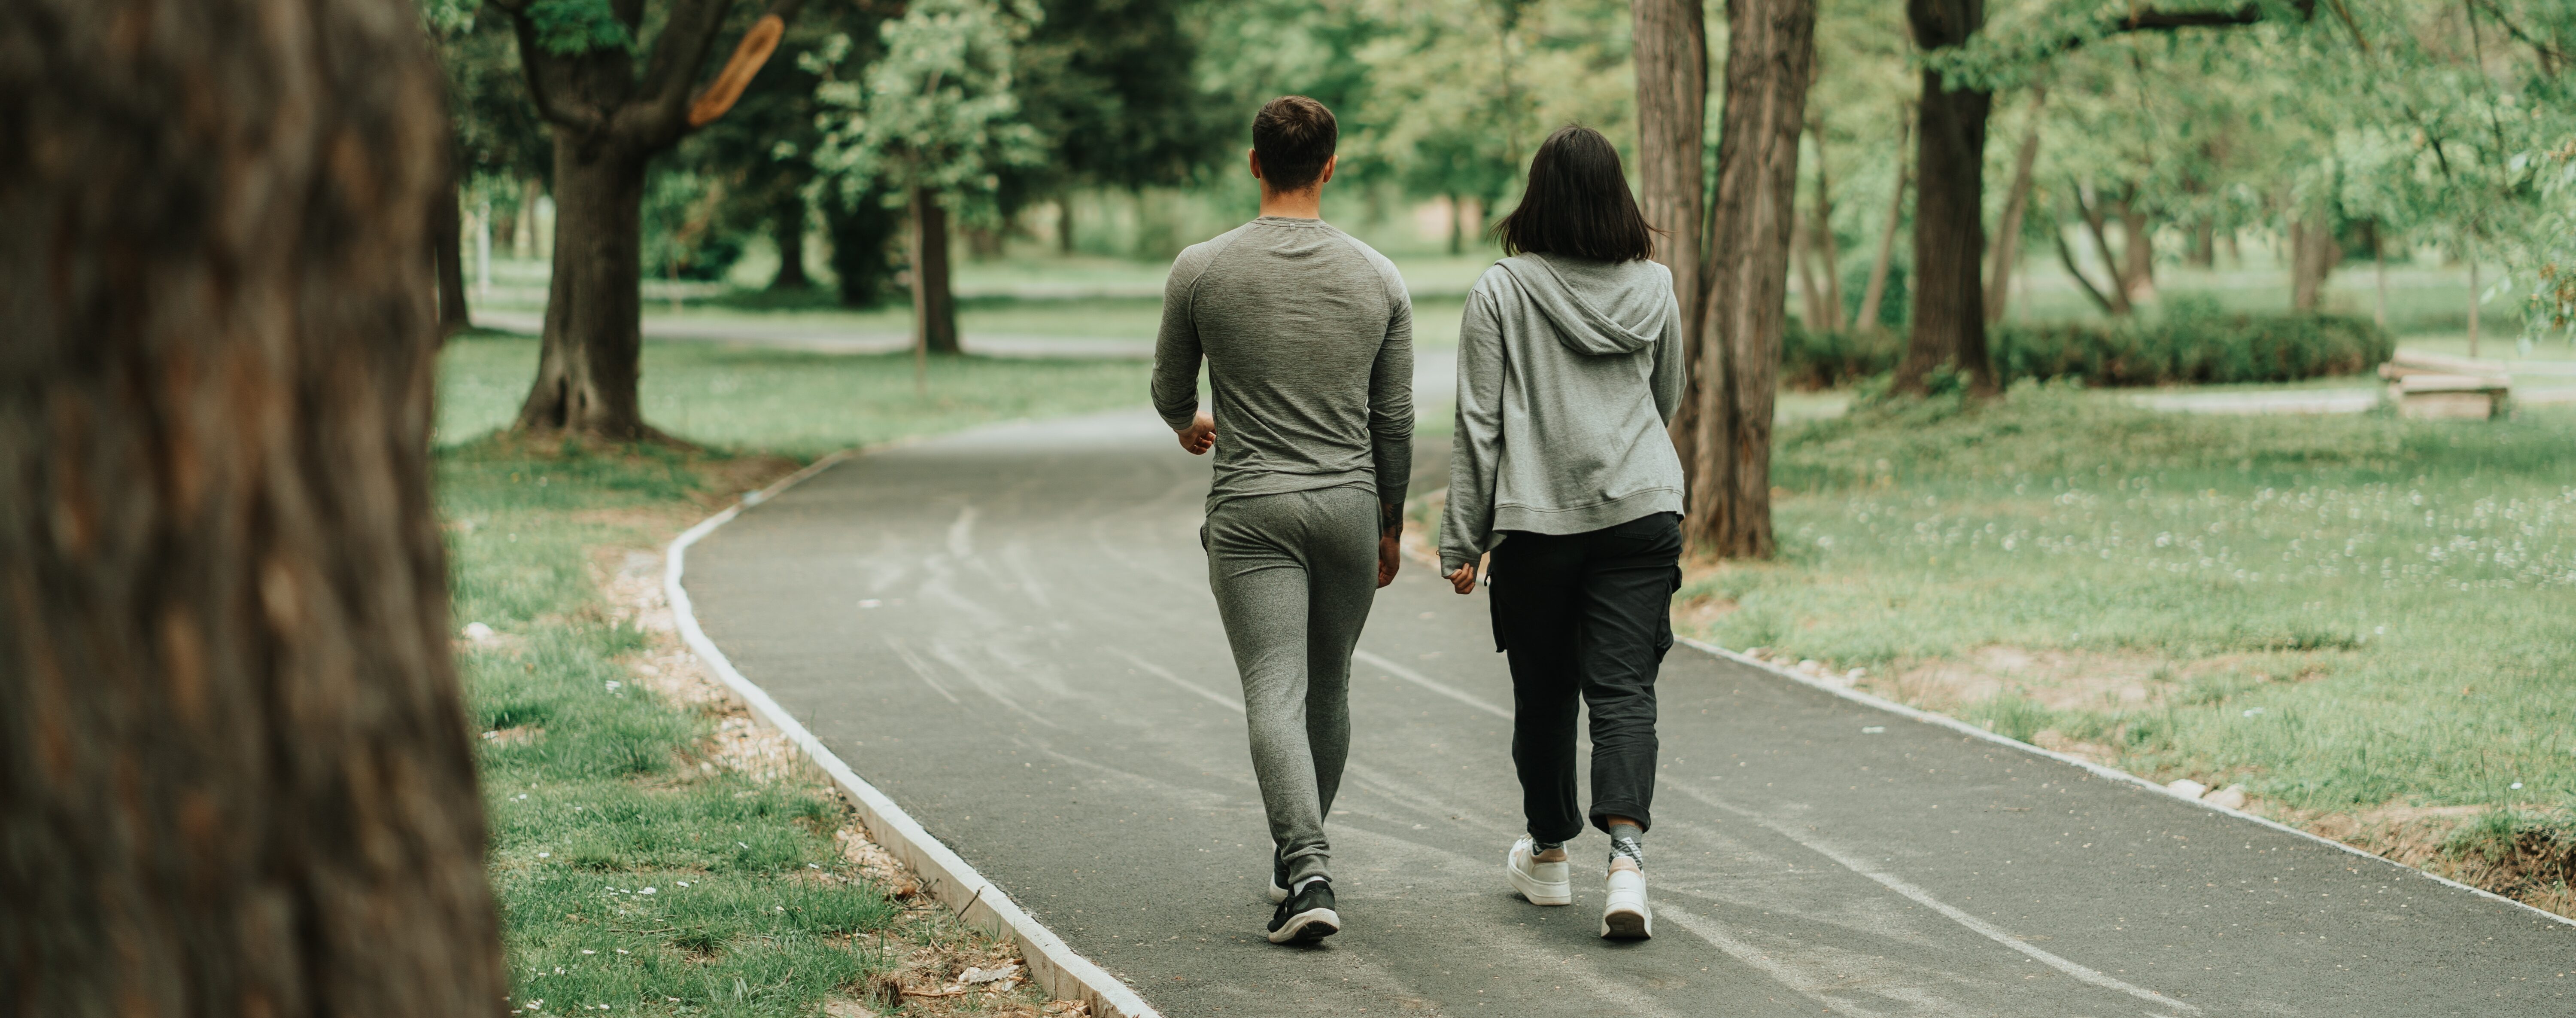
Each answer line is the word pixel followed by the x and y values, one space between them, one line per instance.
pixel 2429 386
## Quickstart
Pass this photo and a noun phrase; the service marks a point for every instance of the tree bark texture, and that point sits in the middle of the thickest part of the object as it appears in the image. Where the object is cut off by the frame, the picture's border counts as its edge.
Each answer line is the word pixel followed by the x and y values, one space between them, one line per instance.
pixel 1671 57
pixel 1876 291
pixel 235 777
pixel 934 304
pixel 1770 61
pixel 1949 210
pixel 2313 254
pixel 787 230
pixel 1825 248
pixel 591 356
pixel 447 251
pixel 2016 205
pixel 608 121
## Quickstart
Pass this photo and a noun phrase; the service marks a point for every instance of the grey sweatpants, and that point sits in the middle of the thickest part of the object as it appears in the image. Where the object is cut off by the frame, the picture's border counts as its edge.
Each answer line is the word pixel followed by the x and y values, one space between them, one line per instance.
pixel 1294 574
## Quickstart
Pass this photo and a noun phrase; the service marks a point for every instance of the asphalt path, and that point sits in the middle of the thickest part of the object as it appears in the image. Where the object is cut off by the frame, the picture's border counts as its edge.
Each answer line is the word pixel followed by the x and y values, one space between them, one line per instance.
pixel 1009 631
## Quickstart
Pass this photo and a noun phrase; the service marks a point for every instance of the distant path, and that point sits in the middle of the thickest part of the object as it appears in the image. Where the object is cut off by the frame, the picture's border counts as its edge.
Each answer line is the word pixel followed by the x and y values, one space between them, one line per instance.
pixel 829 339
pixel 1010 632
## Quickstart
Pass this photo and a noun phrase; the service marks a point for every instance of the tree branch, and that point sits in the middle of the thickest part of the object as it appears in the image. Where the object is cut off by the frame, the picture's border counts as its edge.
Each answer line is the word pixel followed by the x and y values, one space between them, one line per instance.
pixel 2496 11
pixel 538 65
pixel 2067 258
pixel 660 114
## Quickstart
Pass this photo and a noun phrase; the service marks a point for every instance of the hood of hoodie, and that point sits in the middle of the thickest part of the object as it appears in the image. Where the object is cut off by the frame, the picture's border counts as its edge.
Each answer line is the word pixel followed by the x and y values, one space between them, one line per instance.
pixel 1598 308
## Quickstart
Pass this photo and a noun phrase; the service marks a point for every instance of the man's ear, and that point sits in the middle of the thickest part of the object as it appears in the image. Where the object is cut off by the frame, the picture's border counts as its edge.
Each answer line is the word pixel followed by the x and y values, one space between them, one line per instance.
pixel 1329 162
pixel 1255 155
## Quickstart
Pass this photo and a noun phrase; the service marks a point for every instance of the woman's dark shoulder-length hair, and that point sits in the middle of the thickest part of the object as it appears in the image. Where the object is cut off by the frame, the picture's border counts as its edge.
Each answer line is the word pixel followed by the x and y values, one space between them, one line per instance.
pixel 1577 203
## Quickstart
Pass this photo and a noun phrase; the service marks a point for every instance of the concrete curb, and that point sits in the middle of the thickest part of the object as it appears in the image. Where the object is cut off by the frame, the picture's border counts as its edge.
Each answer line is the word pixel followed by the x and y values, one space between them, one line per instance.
pixel 2112 773
pixel 1052 964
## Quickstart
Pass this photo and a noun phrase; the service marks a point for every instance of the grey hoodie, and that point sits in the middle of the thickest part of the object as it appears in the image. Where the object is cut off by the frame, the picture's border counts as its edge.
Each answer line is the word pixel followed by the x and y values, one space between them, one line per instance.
pixel 1568 371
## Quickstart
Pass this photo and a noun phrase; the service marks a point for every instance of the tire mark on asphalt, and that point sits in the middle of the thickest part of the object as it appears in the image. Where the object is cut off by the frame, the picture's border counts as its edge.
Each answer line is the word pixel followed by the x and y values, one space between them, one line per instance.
pixel 1432 684
pixel 1892 882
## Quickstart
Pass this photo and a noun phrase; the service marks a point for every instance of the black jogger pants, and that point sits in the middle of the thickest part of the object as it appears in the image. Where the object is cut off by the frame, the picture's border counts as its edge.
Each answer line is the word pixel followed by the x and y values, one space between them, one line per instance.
pixel 1585 620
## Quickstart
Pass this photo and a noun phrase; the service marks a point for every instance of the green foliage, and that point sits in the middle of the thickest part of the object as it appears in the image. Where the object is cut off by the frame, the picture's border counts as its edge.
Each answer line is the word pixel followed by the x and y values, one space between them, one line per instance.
pixel 2192 349
pixel 2186 347
pixel 1112 86
pixel 936 111
pixel 573 27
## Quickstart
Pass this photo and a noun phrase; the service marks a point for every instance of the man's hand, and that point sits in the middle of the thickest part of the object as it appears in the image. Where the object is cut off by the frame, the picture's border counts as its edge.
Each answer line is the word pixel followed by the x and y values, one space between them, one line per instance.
pixel 1464 579
pixel 1201 435
pixel 1390 555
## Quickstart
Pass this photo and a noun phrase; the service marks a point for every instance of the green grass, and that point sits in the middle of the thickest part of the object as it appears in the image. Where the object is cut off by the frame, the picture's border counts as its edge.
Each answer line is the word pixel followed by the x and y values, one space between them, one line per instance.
pixel 2346 611
pixel 787 402
pixel 628 874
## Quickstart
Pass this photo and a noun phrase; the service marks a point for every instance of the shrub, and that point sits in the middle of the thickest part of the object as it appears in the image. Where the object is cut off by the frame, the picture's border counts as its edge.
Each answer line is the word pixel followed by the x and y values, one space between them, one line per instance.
pixel 2189 347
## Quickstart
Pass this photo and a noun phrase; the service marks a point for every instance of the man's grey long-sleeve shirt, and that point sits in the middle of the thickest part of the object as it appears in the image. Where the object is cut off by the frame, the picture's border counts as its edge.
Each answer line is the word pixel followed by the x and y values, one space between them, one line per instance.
pixel 1308 338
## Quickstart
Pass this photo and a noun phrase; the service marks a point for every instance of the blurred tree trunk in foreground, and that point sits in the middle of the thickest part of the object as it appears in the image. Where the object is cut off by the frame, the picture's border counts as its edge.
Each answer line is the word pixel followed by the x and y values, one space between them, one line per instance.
pixel 1770 61
pixel 1672 124
pixel 234 772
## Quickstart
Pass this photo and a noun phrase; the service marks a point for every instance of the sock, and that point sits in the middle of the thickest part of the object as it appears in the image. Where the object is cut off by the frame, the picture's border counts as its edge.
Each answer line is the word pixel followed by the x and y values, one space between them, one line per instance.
pixel 1538 847
pixel 1300 886
pixel 1628 840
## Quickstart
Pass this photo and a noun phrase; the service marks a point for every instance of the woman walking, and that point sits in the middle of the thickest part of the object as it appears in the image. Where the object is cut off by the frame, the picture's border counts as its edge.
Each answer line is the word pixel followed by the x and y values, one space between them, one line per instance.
pixel 1569 368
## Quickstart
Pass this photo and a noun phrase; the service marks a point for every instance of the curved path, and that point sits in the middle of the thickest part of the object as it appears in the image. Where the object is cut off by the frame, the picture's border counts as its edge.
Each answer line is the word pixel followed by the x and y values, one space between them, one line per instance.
pixel 1009 631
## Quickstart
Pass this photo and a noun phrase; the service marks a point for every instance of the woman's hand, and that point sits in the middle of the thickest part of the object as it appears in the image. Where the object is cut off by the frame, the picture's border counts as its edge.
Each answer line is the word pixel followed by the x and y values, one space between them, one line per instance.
pixel 1464 579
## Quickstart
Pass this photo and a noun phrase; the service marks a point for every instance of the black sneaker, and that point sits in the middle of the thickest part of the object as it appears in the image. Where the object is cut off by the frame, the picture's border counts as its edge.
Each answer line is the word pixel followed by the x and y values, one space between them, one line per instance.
pixel 1278 878
pixel 1307 916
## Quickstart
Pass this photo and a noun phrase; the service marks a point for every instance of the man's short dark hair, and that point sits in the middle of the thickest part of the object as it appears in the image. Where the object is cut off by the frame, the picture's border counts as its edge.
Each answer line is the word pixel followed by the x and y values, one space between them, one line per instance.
pixel 1294 136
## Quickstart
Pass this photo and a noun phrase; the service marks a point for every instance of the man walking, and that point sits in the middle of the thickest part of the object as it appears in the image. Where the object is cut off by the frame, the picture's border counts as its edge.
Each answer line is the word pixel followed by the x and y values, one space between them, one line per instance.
pixel 1308 338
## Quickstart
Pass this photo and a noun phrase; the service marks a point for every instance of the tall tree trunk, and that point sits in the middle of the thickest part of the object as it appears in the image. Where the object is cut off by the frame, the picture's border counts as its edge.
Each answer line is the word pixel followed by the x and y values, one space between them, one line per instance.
pixel 862 230
pixel 1949 210
pixel 447 253
pixel 2475 295
pixel 787 230
pixel 2313 253
pixel 2016 205
pixel 589 361
pixel 1064 223
pixel 2138 265
pixel 523 233
pixel 2379 275
pixel 1825 248
pixel 1877 288
pixel 1671 57
pixel 2203 253
pixel 234 774
pixel 1811 297
pixel 611 109
pixel 1770 61
pixel 1457 226
pixel 934 306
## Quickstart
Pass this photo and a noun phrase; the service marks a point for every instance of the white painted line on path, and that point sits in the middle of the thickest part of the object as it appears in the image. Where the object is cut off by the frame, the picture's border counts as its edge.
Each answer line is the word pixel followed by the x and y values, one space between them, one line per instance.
pixel 1843 859
pixel 1922 897
pixel 2113 773
pixel 1052 963
pixel 1166 675
pixel 1432 684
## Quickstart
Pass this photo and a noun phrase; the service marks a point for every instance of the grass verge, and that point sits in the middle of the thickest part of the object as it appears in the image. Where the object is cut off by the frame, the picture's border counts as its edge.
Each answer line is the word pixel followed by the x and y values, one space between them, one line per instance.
pixel 649 855
pixel 2360 620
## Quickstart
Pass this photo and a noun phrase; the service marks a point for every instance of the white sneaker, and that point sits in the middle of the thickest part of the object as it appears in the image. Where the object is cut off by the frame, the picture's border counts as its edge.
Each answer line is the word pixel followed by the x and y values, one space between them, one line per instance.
pixel 1624 915
pixel 1543 883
